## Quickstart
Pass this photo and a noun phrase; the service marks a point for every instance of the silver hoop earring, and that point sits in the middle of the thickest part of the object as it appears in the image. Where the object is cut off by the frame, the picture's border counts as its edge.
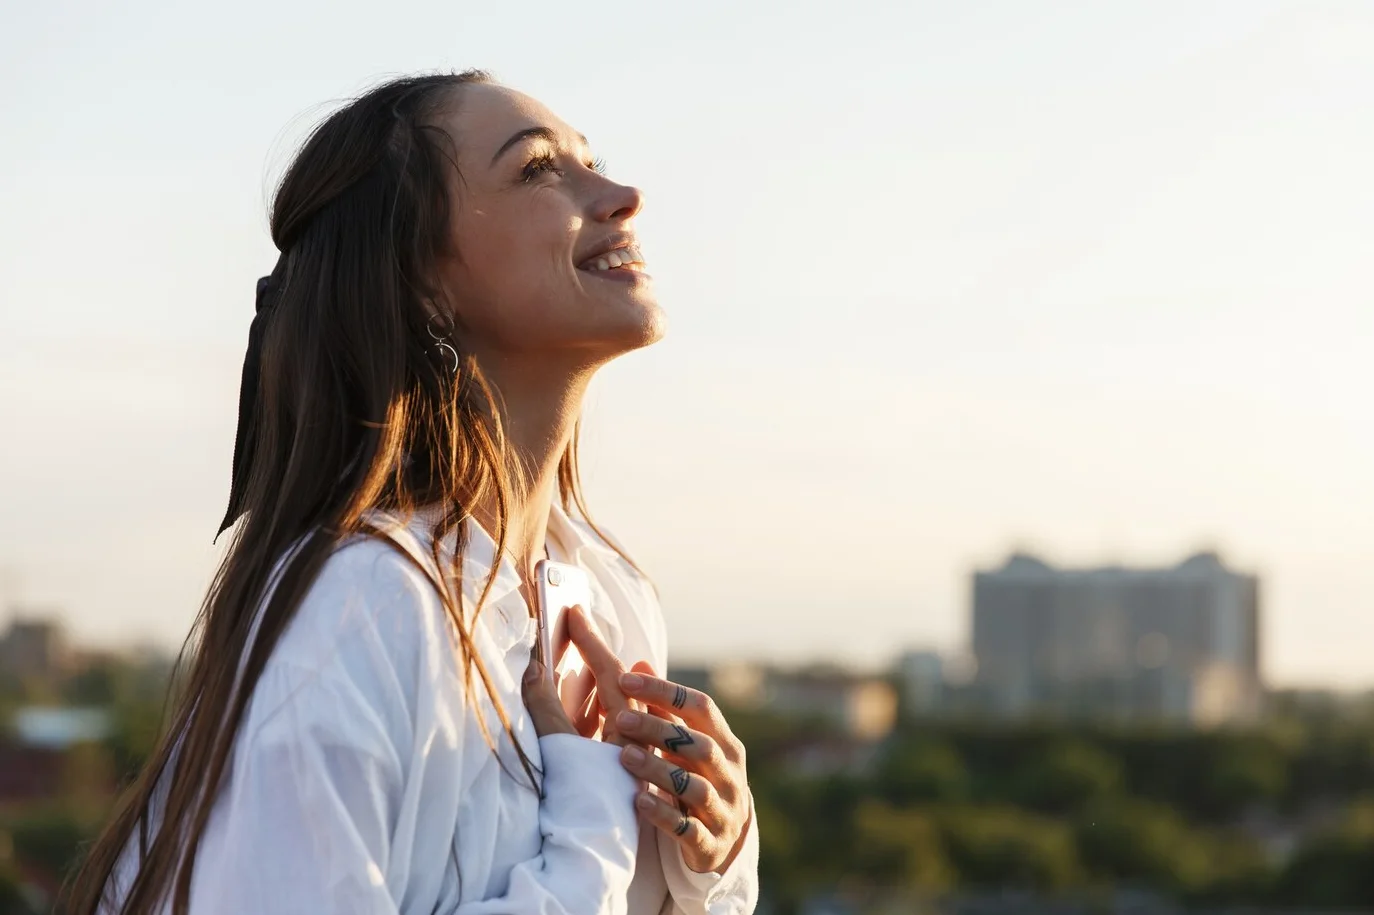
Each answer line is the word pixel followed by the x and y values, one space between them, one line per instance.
pixel 447 354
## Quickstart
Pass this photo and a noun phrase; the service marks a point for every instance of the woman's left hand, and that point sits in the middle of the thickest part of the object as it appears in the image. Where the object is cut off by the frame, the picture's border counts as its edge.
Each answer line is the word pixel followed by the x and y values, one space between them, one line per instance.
pixel 703 768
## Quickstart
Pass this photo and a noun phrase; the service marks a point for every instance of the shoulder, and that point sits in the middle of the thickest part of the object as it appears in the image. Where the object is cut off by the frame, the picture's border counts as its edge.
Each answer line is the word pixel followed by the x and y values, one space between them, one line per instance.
pixel 368 587
pixel 369 634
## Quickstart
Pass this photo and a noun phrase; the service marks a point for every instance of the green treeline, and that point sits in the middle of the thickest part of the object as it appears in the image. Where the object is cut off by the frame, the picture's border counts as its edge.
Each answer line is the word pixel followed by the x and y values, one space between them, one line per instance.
pixel 1278 816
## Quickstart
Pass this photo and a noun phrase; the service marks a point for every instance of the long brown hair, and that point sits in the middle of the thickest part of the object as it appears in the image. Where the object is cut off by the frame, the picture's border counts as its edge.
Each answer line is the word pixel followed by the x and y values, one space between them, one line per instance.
pixel 355 411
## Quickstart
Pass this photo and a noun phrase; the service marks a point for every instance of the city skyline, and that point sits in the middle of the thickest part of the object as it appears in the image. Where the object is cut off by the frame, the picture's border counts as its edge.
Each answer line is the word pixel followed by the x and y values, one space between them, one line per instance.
pixel 942 283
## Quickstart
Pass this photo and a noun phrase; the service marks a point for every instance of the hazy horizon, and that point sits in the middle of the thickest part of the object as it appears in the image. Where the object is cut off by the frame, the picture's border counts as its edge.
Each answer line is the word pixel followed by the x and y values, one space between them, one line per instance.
pixel 942 282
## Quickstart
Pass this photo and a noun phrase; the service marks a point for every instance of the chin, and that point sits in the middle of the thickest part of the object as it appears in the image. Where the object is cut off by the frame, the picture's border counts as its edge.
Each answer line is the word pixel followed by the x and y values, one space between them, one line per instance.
pixel 638 322
pixel 646 331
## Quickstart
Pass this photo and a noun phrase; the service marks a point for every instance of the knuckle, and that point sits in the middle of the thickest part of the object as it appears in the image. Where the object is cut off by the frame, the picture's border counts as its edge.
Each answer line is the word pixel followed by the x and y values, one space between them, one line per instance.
pixel 735 750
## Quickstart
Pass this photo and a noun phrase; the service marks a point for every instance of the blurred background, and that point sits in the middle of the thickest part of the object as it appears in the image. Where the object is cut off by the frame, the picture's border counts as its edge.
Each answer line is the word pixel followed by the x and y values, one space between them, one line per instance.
pixel 1006 471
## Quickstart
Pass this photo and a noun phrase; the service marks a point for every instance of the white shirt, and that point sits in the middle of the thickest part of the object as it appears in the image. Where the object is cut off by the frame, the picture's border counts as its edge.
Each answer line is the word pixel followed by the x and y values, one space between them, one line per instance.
pixel 360 782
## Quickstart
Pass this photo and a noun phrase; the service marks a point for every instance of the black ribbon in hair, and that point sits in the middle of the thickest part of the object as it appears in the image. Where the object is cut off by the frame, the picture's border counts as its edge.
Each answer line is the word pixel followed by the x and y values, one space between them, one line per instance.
pixel 248 402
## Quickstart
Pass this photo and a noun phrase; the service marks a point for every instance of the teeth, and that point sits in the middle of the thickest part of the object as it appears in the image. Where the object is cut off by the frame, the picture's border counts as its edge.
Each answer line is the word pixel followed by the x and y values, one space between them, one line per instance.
pixel 617 258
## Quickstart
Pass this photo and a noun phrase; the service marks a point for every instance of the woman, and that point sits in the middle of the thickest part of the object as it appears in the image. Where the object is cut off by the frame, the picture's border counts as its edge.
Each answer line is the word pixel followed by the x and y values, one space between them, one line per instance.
pixel 362 728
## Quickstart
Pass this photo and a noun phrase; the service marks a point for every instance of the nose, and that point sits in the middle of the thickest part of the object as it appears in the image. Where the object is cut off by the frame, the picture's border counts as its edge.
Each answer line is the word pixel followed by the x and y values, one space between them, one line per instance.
pixel 619 202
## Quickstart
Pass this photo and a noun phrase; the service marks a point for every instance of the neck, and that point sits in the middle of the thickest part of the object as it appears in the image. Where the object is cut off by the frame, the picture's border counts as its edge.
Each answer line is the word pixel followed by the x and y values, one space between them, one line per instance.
pixel 540 408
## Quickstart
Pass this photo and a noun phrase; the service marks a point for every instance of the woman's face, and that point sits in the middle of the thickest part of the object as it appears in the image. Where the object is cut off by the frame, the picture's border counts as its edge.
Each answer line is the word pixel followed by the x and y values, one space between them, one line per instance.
pixel 544 256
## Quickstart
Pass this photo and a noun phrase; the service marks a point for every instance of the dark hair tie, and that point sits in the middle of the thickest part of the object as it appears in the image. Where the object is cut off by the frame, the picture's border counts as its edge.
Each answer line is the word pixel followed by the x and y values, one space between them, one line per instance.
pixel 248 402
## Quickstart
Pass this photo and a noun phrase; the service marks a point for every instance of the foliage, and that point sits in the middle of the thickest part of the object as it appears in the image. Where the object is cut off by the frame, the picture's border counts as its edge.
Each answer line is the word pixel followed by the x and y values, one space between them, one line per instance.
pixel 922 769
pixel 51 839
pixel 1072 808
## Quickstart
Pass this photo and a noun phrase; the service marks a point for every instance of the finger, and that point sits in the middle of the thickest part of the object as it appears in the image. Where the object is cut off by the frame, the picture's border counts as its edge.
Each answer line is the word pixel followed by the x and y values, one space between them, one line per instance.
pixel 588 717
pixel 642 667
pixel 604 664
pixel 576 688
pixel 692 705
pixel 699 750
pixel 541 698
pixel 695 839
pixel 693 790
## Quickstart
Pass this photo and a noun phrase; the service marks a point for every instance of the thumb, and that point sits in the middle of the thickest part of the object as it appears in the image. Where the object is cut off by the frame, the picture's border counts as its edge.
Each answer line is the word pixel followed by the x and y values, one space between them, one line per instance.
pixel 541 698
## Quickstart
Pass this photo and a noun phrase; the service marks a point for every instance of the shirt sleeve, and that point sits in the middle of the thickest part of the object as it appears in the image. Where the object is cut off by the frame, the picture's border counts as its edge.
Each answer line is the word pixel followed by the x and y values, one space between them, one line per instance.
pixel 590 830
pixel 309 820
pixel 735 892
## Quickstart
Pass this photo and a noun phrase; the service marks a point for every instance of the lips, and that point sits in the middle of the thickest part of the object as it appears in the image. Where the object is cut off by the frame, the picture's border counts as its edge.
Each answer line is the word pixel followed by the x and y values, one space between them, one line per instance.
pixel 626 257
pixel 617 251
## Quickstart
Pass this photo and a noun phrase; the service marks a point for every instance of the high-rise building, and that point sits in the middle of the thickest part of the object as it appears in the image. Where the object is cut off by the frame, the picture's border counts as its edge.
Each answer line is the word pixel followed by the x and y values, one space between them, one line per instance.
pixel 1178 644
pixel 35 646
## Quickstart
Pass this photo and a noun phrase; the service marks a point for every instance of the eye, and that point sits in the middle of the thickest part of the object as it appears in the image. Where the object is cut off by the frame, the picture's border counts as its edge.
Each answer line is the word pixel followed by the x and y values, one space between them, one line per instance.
pixel 598 166
pixel 540 164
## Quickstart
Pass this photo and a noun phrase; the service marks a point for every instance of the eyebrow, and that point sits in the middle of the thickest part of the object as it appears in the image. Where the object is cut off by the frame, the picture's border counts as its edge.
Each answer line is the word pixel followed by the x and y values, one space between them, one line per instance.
pixel 543 133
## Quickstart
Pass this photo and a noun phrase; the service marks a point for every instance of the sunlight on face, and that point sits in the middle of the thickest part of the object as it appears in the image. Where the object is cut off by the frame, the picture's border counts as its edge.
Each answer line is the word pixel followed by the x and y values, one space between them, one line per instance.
pixel 544 257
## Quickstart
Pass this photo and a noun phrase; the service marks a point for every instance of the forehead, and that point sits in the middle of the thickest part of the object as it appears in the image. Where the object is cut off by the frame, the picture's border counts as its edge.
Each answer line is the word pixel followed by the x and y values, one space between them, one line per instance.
pixel 488 115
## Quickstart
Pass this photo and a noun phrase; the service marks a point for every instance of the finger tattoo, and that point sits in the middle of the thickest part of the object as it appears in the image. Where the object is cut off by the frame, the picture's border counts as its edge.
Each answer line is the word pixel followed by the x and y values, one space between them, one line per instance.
pixel 683 739
pixel 681 779
pixel 679 696
pixel 682 827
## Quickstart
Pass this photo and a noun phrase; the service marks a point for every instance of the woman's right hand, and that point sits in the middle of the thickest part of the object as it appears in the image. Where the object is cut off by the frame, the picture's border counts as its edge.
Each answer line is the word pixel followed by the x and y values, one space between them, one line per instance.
pixel 541 693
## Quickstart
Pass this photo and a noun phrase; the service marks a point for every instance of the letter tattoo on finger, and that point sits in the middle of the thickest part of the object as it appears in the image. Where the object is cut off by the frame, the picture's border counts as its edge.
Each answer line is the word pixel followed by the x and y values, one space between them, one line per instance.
pixel 681 780
pixel 682 827
pixel 679 696
pixel 683 739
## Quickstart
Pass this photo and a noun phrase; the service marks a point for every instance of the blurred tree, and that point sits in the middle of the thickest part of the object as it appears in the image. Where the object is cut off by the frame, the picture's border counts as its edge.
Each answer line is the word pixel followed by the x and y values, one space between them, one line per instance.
pixel 921 769
pixel 136 726
pixel 1334 869
pixel 1066 776
pixel 1003 847
pixel 51 840
pixel 1150 844
pixel 899 849
pixel 1238 772
pixel 99 684
pixel 12 898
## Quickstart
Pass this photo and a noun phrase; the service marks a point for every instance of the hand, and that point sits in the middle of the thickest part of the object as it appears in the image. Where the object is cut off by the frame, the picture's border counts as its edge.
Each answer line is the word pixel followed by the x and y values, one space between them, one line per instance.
pixel 596 692
pixel 702 768
pixel 541 698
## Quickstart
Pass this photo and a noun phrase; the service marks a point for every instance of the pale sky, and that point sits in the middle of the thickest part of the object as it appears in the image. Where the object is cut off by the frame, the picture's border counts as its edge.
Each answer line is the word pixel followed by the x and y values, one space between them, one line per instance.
pixel 944 279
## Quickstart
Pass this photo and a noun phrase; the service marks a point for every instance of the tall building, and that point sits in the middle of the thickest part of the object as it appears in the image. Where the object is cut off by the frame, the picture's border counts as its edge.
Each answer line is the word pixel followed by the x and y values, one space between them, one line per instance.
pixel 35 646
pixel 1176 644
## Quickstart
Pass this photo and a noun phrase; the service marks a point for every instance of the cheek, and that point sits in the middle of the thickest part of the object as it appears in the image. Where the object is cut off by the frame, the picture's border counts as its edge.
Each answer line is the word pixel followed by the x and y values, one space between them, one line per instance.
pixel 516 271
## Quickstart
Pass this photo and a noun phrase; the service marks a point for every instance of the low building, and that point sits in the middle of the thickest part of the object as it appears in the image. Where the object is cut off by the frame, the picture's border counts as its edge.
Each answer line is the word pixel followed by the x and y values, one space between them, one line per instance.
pixel 859 706
pixel 921 676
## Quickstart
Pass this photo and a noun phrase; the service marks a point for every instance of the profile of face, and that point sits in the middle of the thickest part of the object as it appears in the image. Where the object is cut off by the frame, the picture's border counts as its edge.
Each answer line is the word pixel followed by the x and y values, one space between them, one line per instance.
pixel 543 258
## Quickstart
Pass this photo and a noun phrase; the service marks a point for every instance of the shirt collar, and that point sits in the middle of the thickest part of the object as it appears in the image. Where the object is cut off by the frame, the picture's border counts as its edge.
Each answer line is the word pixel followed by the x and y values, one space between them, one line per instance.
pixel 505 610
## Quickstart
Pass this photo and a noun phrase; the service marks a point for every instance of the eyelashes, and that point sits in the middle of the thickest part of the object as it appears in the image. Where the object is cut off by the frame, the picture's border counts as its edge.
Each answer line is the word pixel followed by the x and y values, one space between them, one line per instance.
pixel 546 163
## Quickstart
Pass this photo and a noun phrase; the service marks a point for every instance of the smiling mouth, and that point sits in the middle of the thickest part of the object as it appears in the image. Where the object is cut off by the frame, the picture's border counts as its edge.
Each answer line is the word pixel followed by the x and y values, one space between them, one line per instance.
pixel 627 258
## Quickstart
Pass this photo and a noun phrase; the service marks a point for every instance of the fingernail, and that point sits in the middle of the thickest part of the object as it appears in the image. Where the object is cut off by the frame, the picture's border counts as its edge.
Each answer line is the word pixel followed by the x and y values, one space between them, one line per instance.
pixel 634 756
pixel 626 719
pixel 631 681
pixel 644 802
